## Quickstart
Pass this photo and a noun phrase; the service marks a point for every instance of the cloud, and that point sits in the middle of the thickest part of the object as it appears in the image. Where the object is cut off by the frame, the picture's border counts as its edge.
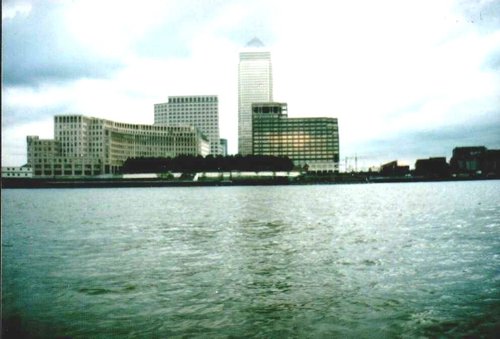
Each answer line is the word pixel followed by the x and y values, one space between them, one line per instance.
pixel 483 14
pixel 11 9
pixel 232 21
pixel 14 139
pixel 38 47
pixel 385 68
pixel 410 145
pixel 492 61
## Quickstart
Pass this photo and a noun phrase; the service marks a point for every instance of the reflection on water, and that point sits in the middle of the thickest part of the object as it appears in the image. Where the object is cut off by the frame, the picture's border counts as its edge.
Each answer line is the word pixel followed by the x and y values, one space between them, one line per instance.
pixel 303 261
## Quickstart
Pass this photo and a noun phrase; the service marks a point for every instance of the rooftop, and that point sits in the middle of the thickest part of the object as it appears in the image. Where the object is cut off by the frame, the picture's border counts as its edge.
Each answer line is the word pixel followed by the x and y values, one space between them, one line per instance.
pixel 255 42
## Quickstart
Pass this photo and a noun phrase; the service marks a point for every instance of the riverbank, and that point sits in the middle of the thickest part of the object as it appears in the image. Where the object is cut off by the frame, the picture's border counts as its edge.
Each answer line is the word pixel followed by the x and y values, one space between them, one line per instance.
pixel 254 181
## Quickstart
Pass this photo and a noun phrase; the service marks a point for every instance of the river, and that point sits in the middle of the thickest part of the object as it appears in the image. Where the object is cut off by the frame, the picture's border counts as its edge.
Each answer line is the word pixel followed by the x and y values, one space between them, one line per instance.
pixel 318 261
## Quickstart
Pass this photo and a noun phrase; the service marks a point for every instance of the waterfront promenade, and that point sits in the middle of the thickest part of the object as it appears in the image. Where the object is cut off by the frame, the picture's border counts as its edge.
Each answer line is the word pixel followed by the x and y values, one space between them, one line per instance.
pixel 202 179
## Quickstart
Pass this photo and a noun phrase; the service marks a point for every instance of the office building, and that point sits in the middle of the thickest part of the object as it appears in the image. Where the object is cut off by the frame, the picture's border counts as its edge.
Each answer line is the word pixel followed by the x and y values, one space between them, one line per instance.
pixel 255 84
pixel 91 146
pixel 223 145
pixel 309 142
pixel 201 112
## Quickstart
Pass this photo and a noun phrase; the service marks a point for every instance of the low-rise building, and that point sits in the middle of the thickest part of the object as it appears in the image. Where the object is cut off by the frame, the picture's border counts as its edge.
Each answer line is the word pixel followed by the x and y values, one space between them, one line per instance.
pixel 477 160
pixel 467 159
pixel 394 170
pixel 308 142
pixel 436 167
pixel 492 162
pixel 84 146
pixel 17 172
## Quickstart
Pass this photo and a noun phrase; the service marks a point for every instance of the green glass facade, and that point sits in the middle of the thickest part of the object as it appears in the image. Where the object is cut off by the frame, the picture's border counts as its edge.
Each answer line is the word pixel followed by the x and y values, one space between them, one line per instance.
pixel 307 141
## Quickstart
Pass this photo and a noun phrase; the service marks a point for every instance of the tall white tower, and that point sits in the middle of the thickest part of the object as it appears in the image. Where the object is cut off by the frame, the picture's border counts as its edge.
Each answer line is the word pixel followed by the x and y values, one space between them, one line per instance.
pixel 255 84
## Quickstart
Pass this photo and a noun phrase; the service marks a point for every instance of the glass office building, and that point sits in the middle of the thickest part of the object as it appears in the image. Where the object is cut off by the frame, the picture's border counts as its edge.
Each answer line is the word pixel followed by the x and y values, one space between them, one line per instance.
pixel 311 142
pixel 255 84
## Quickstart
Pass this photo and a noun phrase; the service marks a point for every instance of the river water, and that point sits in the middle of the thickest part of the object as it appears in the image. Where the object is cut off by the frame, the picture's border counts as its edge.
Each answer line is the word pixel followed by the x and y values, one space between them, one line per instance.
pixel 319 261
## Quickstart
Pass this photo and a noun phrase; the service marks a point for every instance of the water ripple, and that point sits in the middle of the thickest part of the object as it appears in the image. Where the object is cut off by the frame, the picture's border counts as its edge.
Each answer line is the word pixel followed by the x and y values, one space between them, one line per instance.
pixel 413 260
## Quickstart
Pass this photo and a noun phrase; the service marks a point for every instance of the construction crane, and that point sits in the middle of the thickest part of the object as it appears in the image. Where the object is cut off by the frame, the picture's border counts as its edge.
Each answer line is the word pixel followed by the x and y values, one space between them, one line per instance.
pixel 347 160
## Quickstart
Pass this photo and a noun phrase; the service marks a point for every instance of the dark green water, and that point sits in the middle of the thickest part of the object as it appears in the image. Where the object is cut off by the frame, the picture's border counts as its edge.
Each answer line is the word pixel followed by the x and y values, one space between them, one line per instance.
pixel 384 260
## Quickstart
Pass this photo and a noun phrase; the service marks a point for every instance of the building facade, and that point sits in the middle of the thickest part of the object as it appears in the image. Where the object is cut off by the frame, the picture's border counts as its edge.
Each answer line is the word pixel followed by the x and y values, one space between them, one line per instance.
pixel 434 167
pixel 90 146
pixel 201 112
pixel 223 145
pixel 475 160
pixel 311 142
pixel 17 172
pixel 393 169
pixel 255 84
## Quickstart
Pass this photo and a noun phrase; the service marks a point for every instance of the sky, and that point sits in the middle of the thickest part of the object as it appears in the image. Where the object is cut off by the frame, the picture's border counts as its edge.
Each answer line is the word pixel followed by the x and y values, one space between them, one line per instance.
pixel 406 79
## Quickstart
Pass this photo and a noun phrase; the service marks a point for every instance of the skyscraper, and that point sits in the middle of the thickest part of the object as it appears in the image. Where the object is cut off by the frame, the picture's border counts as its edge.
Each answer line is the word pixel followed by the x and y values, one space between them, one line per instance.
pixel 200 111
pixel 255 84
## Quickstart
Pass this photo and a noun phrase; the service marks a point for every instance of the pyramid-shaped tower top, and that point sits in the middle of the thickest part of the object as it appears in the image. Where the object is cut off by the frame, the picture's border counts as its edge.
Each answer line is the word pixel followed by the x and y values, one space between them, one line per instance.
pixel 255 42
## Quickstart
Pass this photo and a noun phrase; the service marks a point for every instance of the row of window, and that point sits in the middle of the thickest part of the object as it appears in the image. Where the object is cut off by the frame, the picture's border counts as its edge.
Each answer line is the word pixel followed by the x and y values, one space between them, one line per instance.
pixel 44 149
pixel 68 119
pixel 67 166
pixel 8 174
pixel 274 136
pixel 191 99
pixel 285 120
pixel 173 118
pixel 193 106
pixel 155 152
pixel 22 169
pixel 294 151
pixel 71 132
pixel 67 127
pixel 299 157
pixel 297 144
pixel 70 173
pixel 55 160
pixel 156 141
pixel 297 129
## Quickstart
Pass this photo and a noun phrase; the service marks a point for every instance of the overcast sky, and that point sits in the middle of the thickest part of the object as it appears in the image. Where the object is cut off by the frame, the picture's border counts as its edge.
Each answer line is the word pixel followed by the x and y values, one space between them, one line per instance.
pixel 406 79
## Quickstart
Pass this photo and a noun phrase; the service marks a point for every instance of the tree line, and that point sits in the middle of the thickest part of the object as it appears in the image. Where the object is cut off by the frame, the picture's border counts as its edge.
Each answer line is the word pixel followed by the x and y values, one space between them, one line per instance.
pixel 190 163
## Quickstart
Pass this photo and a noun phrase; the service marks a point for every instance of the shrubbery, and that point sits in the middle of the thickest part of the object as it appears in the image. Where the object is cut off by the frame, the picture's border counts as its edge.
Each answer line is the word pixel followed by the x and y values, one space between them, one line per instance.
pixel 189 163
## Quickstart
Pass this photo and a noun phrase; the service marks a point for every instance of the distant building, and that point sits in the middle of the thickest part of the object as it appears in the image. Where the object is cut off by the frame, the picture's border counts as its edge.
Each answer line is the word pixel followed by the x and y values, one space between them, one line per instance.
pixel 433 167
pixel 17 172
pixel 467 159
pixel 392 169
pixel 492 163
pixel 91 146
pixel 255 84
pixel 311 142
pixel 200 111
pixel 223 145
pixel 476 160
